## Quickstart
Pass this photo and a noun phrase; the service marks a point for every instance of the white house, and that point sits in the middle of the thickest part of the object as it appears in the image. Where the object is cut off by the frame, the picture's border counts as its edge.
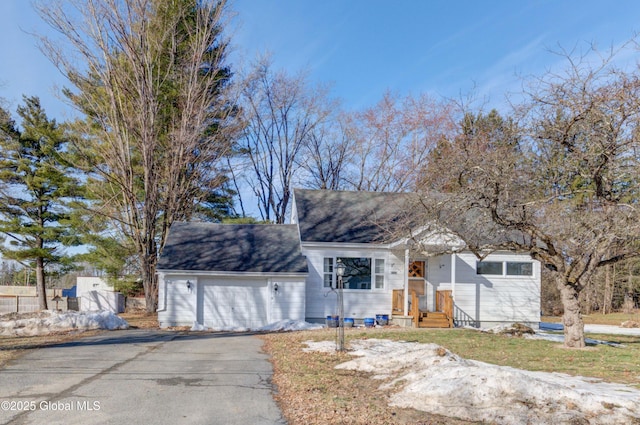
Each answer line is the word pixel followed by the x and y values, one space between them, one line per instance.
pixel 96 294
pixel 251 275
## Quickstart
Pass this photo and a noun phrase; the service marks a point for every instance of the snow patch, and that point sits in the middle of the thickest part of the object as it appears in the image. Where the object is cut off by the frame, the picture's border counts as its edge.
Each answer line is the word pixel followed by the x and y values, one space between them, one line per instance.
pixel 46 322
pixel 197 327
pixel 290 325
pixel 279 326
pixel 430 378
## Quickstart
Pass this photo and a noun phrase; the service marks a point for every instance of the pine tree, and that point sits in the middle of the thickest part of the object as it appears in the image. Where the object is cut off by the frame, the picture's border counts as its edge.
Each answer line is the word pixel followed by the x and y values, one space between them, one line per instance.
pixel 35 184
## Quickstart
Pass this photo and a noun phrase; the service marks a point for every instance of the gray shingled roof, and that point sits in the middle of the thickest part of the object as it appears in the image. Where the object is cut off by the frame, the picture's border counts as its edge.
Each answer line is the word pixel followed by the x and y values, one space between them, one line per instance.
pixel 258 248
pixel 349 217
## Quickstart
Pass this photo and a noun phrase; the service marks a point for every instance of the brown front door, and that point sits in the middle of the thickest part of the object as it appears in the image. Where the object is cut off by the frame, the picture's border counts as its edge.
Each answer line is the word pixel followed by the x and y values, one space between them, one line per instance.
pixel 416 277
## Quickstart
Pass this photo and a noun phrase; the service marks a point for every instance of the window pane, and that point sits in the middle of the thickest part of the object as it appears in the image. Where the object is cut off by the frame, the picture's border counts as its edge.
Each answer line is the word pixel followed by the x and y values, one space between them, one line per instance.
pixel 379 266
pixel 520 269
pixel 379 281
pixel 328 265
pixel 328 279
pixel 357 274
pixel 489 267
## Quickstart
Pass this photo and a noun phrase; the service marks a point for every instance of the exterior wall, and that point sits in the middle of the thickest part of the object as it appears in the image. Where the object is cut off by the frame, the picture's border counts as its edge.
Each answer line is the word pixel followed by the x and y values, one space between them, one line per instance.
pixel 182 306
pixel 489 299
pixel 96 294
pixel 86 284
pixel 288 302
pixel 321 301
pixel 177 304
pixel 484 299
pixel 100 300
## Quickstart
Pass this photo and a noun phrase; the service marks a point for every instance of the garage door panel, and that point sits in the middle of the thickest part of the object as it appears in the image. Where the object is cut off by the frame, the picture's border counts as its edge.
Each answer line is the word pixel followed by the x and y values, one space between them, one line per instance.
pixel 237 303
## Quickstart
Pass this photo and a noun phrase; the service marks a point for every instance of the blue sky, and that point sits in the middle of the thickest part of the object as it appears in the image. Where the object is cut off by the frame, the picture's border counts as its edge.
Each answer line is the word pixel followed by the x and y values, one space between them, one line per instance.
pixel 365 47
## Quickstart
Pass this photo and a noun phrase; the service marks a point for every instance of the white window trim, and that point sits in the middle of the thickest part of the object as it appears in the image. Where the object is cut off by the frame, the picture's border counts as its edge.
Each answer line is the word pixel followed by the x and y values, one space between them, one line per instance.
pixel 373 273
pixel 504 269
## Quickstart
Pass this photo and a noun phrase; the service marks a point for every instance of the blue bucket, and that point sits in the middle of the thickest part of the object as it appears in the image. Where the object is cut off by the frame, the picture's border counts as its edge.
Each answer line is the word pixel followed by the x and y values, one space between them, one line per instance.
pixel 382 319
pixel 332 321
pixel 348 322
pixel 369 322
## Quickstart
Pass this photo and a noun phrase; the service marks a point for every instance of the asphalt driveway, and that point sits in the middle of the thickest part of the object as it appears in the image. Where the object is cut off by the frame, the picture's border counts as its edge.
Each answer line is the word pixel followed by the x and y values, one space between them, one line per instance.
pixel 142 377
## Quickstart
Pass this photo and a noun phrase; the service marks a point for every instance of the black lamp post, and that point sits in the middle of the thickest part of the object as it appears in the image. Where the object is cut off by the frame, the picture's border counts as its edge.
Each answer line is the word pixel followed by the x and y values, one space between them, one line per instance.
pixel 340 269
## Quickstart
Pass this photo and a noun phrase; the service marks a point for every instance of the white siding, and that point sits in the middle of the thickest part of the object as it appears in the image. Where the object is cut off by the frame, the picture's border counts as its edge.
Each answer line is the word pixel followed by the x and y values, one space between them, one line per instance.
pixel 358 304
pixel 489 299
pixel 177 303
pixel 89 283
pixel 227 302
pixel 96 294
pixel 288 302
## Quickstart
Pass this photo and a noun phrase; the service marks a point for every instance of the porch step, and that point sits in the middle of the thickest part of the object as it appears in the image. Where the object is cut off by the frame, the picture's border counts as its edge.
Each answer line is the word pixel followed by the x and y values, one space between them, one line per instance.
pixel 433 323
pixel 433 320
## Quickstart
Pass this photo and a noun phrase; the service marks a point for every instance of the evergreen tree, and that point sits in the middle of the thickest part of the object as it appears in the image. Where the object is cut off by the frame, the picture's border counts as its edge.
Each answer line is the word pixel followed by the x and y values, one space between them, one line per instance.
pixel 152 85
pixel 35 185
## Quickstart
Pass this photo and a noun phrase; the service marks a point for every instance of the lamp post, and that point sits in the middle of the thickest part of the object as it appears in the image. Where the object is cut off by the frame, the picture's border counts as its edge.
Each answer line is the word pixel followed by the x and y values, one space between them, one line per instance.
pixel 340 269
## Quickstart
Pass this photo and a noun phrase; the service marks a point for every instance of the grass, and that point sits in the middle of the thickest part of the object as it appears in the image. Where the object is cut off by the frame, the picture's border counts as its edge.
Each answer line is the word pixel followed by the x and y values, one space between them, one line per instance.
pixel 312 391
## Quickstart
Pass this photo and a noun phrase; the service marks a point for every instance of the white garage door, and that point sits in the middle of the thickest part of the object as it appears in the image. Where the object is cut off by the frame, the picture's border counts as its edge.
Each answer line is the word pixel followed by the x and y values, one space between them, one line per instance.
pixel 234 303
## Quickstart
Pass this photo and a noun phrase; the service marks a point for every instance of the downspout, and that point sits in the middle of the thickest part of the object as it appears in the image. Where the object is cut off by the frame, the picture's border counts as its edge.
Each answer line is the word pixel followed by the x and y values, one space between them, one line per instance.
pixel 270 299
pixel 406 281
pixel 161 277
pixel 453 276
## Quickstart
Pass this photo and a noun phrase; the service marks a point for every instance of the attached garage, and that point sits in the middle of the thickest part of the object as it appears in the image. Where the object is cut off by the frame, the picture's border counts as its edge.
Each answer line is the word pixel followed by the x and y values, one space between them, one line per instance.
pixel 231 276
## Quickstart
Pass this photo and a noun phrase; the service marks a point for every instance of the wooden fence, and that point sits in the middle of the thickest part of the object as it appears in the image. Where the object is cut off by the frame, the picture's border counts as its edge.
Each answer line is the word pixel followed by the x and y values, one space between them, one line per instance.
pixel 27 304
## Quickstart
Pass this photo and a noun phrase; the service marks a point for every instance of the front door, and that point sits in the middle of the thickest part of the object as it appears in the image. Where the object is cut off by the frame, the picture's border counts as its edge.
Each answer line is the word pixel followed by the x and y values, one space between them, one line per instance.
pixel 416 277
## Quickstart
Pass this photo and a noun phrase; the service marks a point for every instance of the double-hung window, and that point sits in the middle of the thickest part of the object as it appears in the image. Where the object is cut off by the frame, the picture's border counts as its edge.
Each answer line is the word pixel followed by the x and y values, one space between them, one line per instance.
pixel 328 272
pixel 379 271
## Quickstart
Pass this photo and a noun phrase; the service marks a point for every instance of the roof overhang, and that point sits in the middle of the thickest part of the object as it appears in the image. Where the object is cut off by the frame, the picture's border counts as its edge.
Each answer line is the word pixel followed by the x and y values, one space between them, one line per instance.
pixel 206 273
pixel 343 245
pixel 430 239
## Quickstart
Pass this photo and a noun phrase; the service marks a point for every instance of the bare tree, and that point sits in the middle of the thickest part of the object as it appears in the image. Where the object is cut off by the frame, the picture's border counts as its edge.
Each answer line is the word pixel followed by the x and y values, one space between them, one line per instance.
pixel 563 185
pixel 327 154
pixel 149 76
pixel 281 113
pixel 392 139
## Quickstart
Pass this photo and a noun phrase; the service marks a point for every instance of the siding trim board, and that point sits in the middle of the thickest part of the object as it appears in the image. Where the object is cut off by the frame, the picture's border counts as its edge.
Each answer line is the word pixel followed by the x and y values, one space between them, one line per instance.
pixel 223 274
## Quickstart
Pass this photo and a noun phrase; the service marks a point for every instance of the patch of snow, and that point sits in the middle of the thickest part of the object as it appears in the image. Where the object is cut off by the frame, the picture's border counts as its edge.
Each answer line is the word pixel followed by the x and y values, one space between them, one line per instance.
pixel 197 327
pixel 290 325
pixel 47 322
pixel 612 330
pixel 560 338
pixel 321 346
pixel 595 329
pixel 430 378
pixel 279 326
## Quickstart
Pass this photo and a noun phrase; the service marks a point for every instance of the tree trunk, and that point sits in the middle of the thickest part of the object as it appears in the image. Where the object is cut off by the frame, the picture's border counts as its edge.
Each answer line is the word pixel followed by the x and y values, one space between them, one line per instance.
pixel 149 278
pixel 41 288
pixel 607 302
pixel 151 292
pixel 572 319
